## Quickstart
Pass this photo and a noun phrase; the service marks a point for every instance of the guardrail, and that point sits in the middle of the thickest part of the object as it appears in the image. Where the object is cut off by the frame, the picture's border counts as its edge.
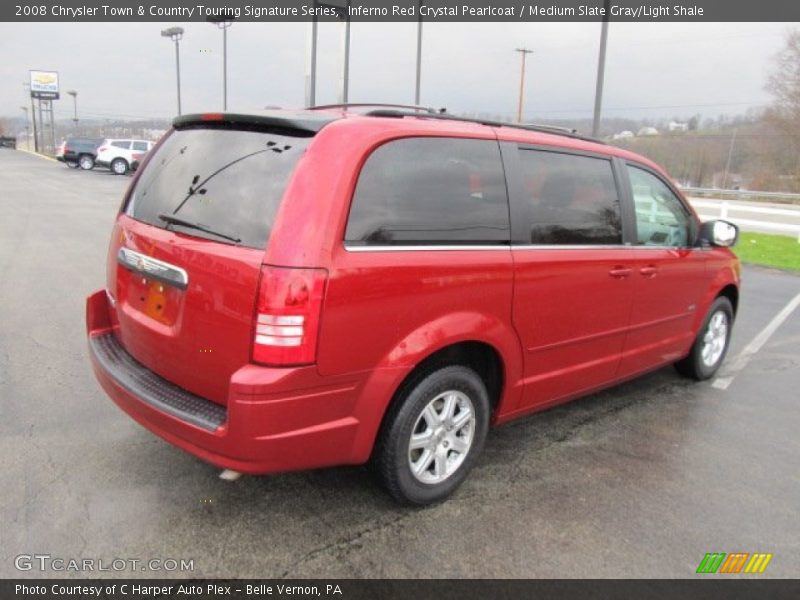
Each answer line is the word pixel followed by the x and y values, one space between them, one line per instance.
pixel 741 194
pixel 724 208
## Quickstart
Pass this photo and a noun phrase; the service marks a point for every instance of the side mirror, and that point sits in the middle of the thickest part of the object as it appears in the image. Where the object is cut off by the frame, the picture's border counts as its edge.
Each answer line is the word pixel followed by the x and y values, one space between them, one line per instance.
pixel 723 234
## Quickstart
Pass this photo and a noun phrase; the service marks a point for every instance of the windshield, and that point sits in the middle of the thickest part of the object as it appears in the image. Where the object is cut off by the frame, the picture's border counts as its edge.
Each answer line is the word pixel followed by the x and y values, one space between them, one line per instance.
pixel 217 180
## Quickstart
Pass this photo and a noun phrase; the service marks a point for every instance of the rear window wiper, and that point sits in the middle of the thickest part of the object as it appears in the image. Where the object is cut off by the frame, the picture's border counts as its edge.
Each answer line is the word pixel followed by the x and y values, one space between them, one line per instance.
pixel 170 220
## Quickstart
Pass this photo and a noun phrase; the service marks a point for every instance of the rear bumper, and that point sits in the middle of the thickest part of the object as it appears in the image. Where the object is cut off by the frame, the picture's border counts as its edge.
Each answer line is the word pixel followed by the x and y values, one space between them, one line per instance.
pixel 275 419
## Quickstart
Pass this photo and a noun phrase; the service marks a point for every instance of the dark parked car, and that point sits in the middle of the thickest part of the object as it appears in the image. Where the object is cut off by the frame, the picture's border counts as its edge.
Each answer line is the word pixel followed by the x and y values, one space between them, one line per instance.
pixel 294 290
pixel 8 142
pixel 79 152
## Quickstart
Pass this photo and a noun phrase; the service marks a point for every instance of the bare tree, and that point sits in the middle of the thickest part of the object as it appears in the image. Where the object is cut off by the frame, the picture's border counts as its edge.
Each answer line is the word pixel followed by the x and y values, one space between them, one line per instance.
pixel 784 114
pixel 784 84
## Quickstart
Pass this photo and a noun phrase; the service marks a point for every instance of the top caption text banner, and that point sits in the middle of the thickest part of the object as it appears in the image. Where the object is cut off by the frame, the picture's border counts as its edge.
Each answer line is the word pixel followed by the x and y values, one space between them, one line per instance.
pixel 401 10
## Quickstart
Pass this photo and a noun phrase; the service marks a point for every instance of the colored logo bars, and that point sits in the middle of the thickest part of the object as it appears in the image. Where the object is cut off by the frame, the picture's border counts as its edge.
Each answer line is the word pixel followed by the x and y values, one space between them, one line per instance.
pixel 719 562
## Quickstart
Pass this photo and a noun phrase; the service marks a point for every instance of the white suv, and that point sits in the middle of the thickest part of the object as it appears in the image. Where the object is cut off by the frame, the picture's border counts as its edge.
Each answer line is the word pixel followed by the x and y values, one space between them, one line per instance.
pixel 121 155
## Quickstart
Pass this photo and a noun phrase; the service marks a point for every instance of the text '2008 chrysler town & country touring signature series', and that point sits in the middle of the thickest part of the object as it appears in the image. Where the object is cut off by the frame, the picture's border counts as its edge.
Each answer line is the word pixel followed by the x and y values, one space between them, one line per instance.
pixel 294 290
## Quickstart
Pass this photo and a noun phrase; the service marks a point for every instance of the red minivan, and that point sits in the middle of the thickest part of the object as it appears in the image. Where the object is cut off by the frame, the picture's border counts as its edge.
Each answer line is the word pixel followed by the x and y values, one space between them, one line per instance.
pixel 293 290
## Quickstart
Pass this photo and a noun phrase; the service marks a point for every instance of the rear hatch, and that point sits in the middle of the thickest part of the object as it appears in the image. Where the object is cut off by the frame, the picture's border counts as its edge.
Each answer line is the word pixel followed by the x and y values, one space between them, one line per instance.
pixel 187 251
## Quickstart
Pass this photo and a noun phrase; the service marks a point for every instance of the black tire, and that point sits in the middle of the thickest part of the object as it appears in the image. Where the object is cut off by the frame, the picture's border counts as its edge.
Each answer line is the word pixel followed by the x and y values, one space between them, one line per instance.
pixel 693 365
pixel 391 458
pixel 119 166
pixel 70 164
pixel 86 162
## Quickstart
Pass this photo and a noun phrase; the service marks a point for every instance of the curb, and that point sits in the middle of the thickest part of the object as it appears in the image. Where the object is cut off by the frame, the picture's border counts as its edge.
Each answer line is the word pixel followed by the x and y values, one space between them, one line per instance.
pixel 44 156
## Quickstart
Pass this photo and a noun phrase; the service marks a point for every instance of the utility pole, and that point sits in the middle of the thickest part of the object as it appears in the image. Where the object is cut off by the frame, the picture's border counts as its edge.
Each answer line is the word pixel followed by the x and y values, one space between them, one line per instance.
pixel 728 162
pixel 74 95
pixel 27 87
pixel 27 128
pixel 311 62
pixel 524 52
pixel 601 69
pixel 419 53
pixel 345 93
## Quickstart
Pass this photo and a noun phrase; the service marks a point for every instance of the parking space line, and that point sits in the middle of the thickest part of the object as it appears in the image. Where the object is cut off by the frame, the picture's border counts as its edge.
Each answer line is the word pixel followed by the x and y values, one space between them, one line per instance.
pixel 740 362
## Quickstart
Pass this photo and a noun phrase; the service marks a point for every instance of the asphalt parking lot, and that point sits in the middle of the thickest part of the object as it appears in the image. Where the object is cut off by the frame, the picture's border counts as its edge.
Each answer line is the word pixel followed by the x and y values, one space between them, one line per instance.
pixel 639 481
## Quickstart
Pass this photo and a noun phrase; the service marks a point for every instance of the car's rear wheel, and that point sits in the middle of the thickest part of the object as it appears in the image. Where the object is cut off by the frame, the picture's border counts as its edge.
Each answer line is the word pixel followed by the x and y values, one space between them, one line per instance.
pixel 119 166
pixel 432 435
pixel 86 162
pixel 71 164
pixel 711 345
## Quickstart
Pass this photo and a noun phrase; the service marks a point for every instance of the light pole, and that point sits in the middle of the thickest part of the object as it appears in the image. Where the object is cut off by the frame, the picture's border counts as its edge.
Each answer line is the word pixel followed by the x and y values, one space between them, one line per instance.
pixel 175 34
pixel 224 21
pixel 524 52
pixel 601 69
pixel 74 95
pixel 27 131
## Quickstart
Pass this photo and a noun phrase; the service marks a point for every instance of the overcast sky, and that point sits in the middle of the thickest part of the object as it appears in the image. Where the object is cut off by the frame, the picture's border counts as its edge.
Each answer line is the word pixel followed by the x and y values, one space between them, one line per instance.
pixel 653 69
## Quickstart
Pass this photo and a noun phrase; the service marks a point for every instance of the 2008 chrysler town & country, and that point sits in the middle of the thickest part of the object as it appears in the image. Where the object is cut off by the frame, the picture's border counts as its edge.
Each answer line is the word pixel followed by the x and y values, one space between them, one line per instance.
pixel 294 290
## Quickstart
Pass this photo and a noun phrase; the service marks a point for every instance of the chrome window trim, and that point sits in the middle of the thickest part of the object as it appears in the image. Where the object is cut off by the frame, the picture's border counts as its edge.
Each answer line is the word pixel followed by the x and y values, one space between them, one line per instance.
pixel 570 246
pixel 425 248
pixel 473 248
pixel 153 268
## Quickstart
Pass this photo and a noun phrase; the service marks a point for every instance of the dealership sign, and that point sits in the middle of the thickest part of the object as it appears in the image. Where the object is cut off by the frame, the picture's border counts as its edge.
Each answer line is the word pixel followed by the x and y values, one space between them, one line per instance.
pixel 44 84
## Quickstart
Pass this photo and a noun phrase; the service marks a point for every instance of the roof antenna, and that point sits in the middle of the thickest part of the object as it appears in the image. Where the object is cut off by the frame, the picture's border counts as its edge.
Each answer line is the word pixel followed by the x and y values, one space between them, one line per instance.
pixel 442 110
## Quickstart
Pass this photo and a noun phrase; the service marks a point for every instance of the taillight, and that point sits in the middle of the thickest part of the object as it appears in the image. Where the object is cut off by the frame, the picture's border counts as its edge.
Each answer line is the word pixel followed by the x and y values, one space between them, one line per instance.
pixel 287 315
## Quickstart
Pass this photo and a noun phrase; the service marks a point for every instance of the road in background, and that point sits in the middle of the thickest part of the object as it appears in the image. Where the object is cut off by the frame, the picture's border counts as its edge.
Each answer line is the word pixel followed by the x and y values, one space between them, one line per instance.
pixel 759 217
pixel 639 481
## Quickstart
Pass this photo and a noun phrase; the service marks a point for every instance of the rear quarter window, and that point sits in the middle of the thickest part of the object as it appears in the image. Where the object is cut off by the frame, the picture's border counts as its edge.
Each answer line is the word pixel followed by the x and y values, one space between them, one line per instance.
pixel 569 199
pixel 428 191
pixel 227 181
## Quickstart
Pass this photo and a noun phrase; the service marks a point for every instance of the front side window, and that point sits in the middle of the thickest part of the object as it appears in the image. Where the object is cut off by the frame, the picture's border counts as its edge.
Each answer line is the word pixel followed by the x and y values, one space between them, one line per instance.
pixel 661 219
pixel 569 199
pixel 430 191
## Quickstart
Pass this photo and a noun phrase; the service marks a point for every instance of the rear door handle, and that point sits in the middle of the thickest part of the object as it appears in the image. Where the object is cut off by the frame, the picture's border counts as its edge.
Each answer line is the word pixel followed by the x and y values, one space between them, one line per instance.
pixel 648 271
pixel 620 272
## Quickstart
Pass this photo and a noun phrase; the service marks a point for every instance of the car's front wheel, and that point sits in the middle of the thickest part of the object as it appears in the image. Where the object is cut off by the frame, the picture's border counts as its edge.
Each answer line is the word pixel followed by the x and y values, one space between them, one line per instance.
pixel 86 162
pixel 711 345
pixel 432 435
pixel 119 166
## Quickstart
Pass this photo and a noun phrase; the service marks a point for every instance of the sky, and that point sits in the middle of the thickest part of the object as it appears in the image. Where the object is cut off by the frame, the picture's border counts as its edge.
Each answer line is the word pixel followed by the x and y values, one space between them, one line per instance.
pixel 653 70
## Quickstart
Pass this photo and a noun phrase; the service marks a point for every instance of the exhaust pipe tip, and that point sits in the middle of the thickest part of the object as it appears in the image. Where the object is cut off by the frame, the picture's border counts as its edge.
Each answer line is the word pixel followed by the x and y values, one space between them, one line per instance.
pixel 229 475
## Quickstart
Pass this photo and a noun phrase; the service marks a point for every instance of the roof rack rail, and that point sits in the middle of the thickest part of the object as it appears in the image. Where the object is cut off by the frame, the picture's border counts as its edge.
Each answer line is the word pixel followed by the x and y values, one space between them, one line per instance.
pixel 551 129
pixel 414 107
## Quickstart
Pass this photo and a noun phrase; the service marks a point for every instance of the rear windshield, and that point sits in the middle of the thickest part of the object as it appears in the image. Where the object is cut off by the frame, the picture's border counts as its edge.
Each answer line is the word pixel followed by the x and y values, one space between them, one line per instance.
pixel 225 185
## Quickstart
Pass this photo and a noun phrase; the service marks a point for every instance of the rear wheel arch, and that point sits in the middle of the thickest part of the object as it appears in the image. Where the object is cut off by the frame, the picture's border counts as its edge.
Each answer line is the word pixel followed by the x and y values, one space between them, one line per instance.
pixel 457 337
pixel 481 357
